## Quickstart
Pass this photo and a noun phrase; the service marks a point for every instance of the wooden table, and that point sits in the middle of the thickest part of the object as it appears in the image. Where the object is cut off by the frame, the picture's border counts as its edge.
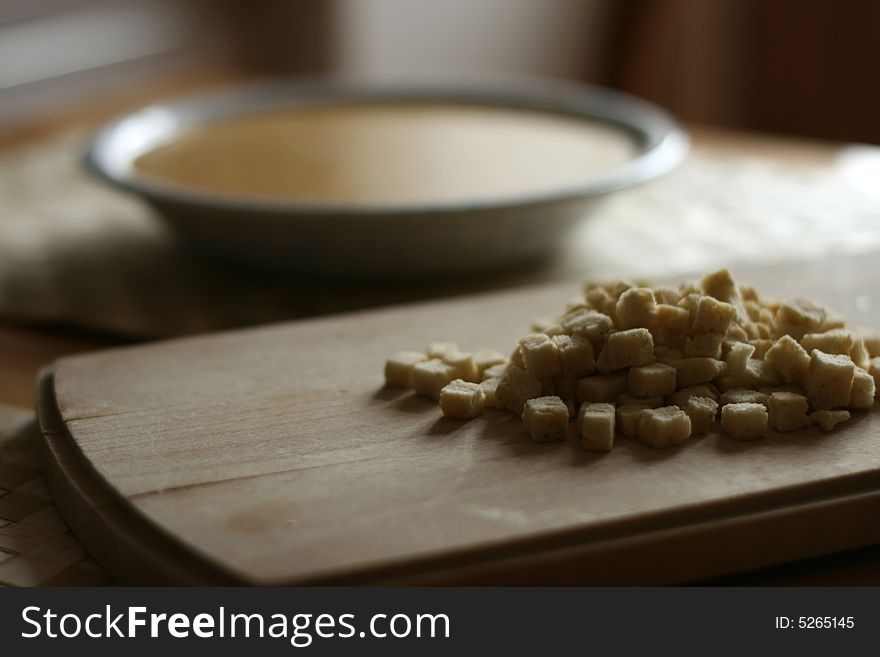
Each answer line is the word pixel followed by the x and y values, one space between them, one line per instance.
pixel 24 350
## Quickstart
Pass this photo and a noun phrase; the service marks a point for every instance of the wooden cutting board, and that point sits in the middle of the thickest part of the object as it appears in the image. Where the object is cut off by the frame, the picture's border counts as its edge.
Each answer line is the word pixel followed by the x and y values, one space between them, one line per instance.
pixel 275 455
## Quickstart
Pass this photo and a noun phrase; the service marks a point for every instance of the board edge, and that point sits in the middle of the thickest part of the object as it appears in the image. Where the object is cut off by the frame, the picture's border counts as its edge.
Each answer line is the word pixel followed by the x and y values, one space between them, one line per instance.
pixel 637 556
pixel 129 546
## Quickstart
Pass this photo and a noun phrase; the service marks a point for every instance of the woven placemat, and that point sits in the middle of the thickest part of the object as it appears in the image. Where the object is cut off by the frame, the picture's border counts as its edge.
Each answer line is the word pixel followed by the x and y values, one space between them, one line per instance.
pixel 76 252
pixel 36 547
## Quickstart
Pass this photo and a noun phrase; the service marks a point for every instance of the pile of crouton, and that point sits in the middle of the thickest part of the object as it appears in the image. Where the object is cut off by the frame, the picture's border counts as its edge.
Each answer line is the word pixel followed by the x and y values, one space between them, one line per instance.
pixel 661 365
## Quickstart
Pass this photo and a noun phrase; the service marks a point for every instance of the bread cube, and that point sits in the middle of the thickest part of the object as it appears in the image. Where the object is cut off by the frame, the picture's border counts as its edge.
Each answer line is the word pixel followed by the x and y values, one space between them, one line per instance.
pixel 664 426
pixel 743 396
pixel 757 373
pixel 797 318
pixel 541 324
pixel 590 290
pixel 753 310
pixel 859 353
pixel 541 356
pixel 874 371
pixel 753 307
pixel 603 361
pixel 744 421
pixel 788 411
pixel 680 397
pixel 737 355
pixel 758 331
pixel 788 359
pixel 737 333
pixel 794 388
pixel 667 355
pixel 762 346
pixel 761 373
pixel 601 388
pixel 516 387
pixel 748 293
pixel 496 371
pixel 438 350
pixel 566 388
pixel 651 402
pixel 516 358
pixel 591 324
pixel 719 285
pixel 545 419
pixel 836 341
pixel 636 308
pixel 485 359
pixel 599 299
pixel 863 390
pixel 671 325
pixel 666 295
pixel 828 420
pixel 693 371
pixel 829 380
pixel 575 355
pixel 712 316
pixel 595 424
pixel 690 303
pixel 706 345
pixel 872 344
pixel 399 368
pixel 463 365
pixel 686 289
pixel 462 399
pixel 654 380
pixel 489 387
pixel 830 321
pixel 431 376
pixel 617 288
pixel 630 348
pixel 628 417
pixel 702 412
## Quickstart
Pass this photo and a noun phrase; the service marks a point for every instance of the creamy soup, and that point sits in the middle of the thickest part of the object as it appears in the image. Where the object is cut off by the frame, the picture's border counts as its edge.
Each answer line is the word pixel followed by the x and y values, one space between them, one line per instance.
pixel 389 154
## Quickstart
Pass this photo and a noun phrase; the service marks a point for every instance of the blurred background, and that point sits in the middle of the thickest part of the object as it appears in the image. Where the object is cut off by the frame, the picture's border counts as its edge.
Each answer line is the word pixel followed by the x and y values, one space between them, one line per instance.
pixel 781 98
pixel 805 67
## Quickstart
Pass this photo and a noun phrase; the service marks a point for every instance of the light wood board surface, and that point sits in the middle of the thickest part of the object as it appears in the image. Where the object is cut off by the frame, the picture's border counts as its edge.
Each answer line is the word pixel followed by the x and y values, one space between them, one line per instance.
pixel 275 455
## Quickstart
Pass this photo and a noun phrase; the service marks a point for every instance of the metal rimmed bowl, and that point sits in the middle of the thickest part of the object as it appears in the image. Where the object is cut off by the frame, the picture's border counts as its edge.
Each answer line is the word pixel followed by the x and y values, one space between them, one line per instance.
pixel 350 240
